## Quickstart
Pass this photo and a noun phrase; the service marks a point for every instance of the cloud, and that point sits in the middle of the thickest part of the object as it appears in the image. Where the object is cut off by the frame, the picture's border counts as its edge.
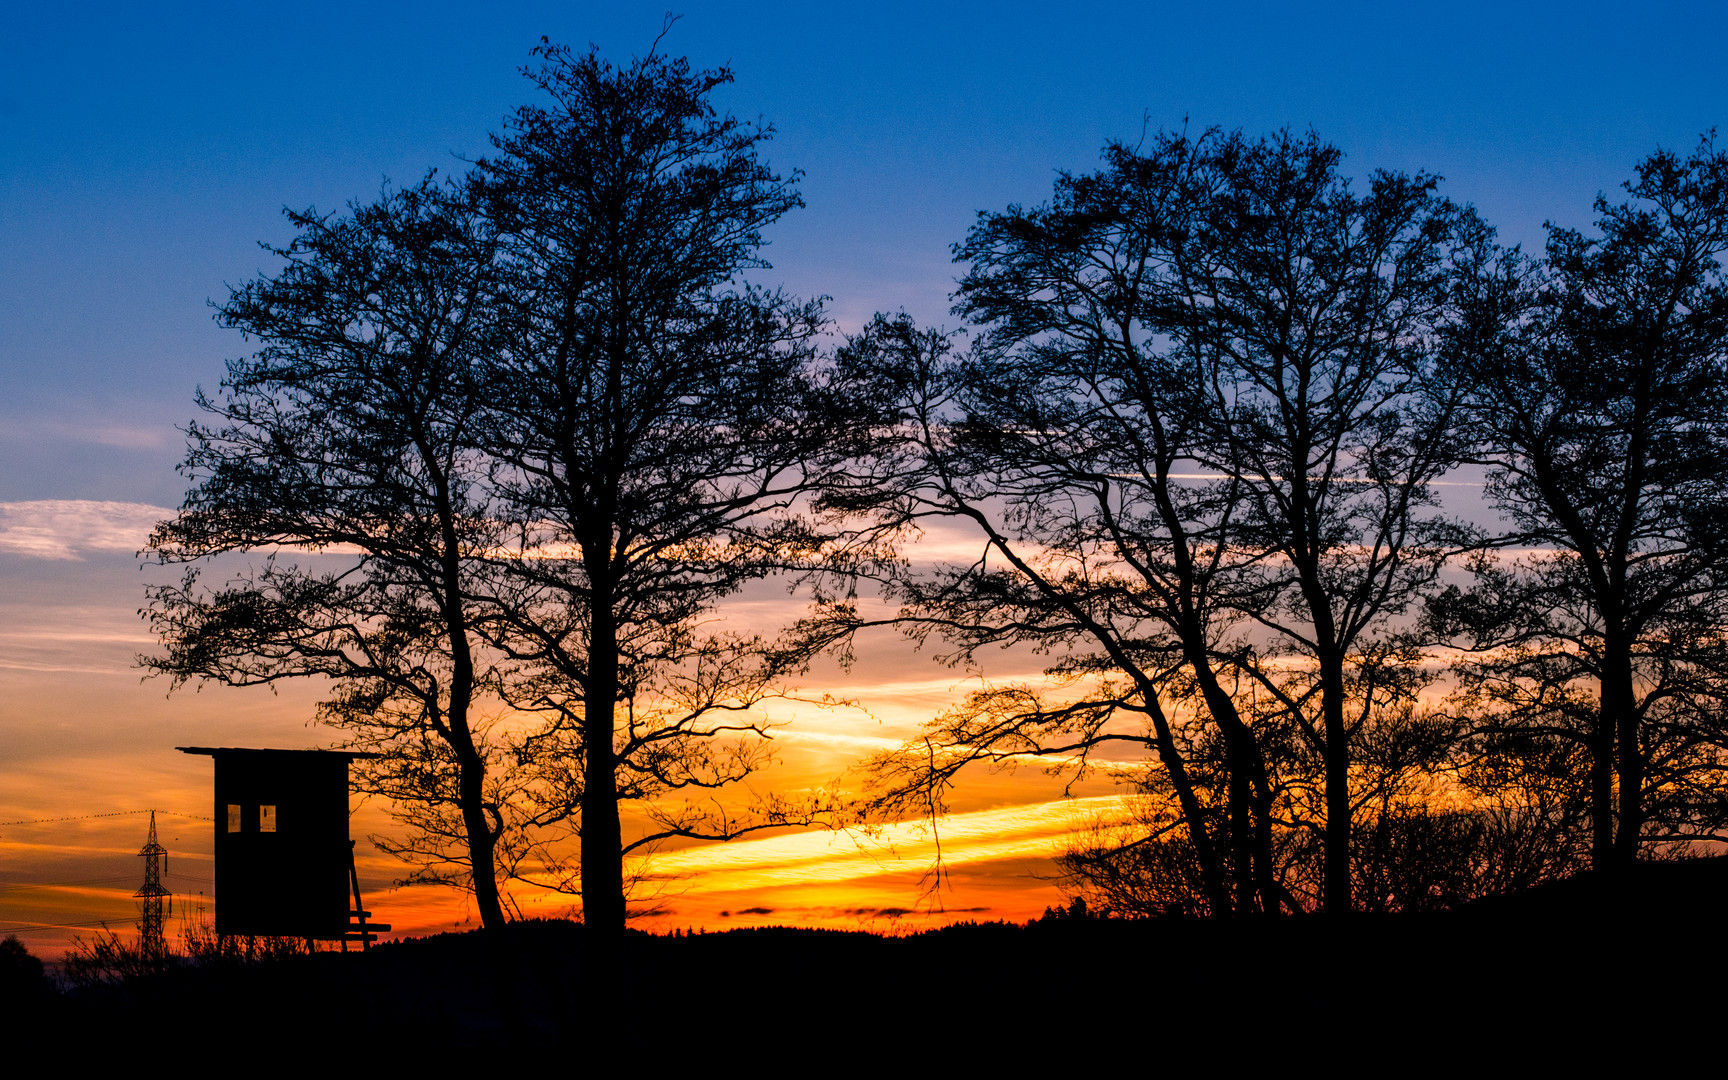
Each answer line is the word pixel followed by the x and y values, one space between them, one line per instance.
pixel 120 434
pixel 68 528
pixel 1034 830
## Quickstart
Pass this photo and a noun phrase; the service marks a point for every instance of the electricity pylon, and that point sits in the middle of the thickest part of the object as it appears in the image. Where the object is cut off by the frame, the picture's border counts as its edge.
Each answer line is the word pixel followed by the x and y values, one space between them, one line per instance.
pixel 150 896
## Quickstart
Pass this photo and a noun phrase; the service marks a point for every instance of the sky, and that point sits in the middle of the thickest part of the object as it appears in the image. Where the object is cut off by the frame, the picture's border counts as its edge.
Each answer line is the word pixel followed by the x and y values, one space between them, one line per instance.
pixel 147 150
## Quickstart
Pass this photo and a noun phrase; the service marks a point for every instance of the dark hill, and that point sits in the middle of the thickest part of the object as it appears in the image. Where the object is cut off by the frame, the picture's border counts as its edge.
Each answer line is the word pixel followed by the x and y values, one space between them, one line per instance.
pixel 1558 970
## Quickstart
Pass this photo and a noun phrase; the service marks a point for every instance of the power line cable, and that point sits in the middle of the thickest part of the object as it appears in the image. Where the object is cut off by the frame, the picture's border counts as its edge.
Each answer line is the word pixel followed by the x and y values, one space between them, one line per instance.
pixel 117 813
pixel 87 924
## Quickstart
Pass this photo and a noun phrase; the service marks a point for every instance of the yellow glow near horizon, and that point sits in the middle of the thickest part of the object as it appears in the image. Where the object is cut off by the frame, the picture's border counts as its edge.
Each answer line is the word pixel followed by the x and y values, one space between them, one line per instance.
pixel 982 835
pixel 87 738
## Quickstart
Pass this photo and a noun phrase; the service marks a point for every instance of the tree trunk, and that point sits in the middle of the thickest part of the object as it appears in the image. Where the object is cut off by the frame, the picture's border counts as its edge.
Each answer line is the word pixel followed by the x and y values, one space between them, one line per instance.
pixel 1211 867
pixel 602 865
pixel 602 858
pixel 470 766
pixel 1250 795
pixel 482 841
pixel 608 984
pixel 1619 754
pixel 1337 888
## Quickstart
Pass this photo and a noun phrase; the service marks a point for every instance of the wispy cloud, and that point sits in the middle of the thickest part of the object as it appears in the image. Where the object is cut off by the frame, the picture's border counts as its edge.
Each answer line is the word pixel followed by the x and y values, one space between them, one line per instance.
pixel 71 528
pixel 116 432
pixel 123 436
pixel 1036 830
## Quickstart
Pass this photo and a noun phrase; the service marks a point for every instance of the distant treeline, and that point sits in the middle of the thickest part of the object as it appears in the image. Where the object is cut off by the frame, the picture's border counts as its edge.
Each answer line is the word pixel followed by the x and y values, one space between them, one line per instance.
pixel 1197 425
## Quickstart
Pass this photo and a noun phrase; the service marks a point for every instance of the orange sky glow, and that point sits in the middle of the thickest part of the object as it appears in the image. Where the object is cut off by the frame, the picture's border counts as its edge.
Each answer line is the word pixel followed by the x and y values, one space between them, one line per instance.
pixel 93 747
pixel 90 737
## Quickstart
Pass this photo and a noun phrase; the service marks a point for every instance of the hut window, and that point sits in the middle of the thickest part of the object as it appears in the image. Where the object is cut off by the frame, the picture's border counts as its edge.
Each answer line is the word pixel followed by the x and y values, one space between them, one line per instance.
pixel 266 818
pixel 233 817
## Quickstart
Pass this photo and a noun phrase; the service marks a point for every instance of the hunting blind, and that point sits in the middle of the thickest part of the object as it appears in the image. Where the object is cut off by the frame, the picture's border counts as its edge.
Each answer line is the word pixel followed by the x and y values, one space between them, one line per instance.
pixel 284 863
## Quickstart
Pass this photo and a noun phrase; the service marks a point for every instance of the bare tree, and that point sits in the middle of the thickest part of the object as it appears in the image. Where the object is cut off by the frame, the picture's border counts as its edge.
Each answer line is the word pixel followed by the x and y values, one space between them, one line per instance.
pixel 1066 437
pixel 1310 312
pixel 342 462
pixel 1192 440
pixel 1597 394
pixel 654 423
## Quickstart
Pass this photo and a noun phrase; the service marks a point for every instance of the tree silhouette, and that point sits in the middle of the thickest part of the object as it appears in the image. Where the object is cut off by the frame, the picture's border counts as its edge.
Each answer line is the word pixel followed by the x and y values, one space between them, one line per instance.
pixel 1310 310
pixel 1066 437
pixel 1192 441
pixel 1076 297
pixel 1597 394
pixel 653 424
pixel 351 433
pixel 547 429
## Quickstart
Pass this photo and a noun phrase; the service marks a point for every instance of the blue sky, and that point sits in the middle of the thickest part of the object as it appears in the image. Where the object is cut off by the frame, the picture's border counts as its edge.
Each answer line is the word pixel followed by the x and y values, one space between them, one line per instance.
pixel 145 149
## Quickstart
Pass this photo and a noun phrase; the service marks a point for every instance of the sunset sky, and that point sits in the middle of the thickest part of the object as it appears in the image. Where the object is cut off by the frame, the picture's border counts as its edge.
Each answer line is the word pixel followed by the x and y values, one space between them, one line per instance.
pixel 145 150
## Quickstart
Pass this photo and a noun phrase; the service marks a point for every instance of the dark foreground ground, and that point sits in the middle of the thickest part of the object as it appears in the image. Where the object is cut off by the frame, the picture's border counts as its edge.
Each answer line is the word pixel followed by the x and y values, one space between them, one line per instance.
pixel 1571 972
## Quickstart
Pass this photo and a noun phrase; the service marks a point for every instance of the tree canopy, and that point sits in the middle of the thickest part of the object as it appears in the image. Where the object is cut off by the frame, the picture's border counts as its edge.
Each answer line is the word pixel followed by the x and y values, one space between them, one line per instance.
pixel 510 443
pixel 352 430
pixel 547 427
pixel 654 422
pixel 1594 382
